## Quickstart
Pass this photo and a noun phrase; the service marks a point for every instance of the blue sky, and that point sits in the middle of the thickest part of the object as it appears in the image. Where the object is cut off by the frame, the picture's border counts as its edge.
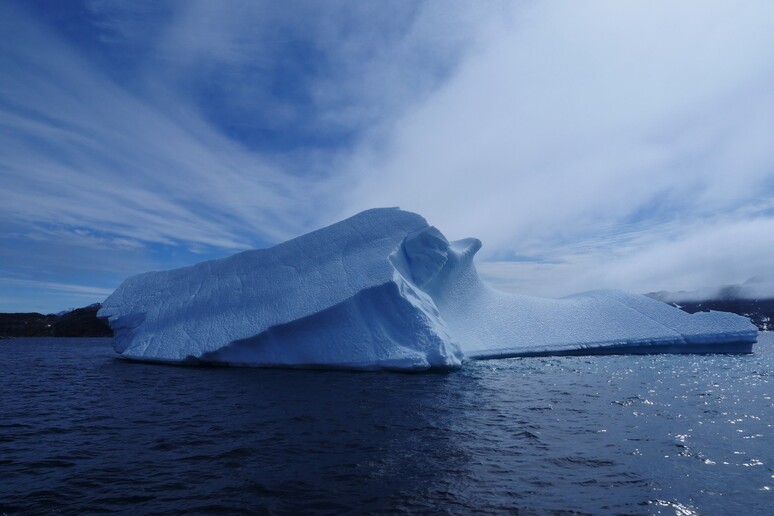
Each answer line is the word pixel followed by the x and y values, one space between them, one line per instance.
pixel 589 145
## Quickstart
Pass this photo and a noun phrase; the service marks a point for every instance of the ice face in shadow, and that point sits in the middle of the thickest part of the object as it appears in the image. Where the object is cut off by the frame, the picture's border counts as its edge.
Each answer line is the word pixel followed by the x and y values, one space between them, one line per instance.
pixel 384 290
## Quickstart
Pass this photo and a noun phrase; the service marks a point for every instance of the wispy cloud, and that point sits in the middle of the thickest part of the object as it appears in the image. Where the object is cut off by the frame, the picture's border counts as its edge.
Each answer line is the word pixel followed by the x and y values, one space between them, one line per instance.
pixel 315 72
pixel 171 156
pixel 64 287
pixel 78 150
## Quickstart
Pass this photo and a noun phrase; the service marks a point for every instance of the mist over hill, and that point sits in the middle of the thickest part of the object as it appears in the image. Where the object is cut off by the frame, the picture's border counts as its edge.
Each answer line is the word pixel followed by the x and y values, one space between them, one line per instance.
pixel 754 299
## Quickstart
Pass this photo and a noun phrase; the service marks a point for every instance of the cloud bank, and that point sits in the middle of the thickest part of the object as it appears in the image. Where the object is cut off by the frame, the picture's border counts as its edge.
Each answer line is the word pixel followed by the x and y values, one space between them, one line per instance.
pixel 614 144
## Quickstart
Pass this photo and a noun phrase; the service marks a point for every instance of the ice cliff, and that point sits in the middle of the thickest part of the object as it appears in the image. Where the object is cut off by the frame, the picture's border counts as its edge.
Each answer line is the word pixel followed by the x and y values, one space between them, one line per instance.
pixel 384 290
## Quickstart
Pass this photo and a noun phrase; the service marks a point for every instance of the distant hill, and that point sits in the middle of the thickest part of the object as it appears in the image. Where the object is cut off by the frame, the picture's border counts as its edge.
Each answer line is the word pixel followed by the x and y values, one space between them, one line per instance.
pixel 753 299
pixel 81 322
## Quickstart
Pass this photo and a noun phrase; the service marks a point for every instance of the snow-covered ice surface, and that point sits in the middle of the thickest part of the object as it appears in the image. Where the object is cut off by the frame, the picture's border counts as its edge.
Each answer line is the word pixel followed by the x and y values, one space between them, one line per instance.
pixel 384 290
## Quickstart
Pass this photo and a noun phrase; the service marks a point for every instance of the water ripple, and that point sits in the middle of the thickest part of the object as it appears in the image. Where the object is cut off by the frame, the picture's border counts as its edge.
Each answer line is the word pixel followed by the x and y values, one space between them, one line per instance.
pixel 81 432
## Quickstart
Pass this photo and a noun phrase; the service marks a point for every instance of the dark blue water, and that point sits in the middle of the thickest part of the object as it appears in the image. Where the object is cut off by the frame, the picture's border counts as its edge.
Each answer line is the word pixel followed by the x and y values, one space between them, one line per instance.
pixel 83 432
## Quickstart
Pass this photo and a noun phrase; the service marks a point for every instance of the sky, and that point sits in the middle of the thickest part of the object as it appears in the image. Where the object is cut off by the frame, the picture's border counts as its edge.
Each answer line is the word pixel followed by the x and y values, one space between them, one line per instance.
pixel 599 144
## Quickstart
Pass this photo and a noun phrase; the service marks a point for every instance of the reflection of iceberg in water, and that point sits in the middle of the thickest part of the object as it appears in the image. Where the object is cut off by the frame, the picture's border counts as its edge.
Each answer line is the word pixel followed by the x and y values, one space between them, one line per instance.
pixel 383 290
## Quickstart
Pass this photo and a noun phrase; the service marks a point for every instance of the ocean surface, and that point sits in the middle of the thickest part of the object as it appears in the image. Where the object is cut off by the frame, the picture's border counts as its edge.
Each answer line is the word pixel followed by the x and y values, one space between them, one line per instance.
pixel 84 432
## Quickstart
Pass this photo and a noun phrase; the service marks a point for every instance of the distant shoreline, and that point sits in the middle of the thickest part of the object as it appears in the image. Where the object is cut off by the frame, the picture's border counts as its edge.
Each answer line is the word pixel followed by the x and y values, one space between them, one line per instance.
pixel 80 322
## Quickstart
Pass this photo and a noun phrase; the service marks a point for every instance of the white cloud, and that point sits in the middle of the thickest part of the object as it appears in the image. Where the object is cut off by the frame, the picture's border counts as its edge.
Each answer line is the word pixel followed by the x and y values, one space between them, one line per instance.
pixel 581 121
pixel 672 257
pixel 728 252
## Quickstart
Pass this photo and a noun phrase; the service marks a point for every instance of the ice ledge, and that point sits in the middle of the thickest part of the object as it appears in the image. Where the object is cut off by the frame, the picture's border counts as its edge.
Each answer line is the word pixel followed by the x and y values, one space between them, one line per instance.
pixel 738 347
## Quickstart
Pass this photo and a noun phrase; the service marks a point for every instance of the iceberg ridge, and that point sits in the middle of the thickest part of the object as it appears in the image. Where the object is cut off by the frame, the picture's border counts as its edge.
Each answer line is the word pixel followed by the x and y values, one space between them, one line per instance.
pixel 384 290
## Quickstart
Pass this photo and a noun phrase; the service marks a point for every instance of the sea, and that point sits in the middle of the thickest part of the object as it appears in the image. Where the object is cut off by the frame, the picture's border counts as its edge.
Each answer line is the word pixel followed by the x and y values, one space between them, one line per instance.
pixel 83 432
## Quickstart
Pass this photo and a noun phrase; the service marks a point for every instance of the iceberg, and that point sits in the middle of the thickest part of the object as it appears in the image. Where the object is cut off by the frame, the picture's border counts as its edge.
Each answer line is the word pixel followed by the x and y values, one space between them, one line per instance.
pixel 384 290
